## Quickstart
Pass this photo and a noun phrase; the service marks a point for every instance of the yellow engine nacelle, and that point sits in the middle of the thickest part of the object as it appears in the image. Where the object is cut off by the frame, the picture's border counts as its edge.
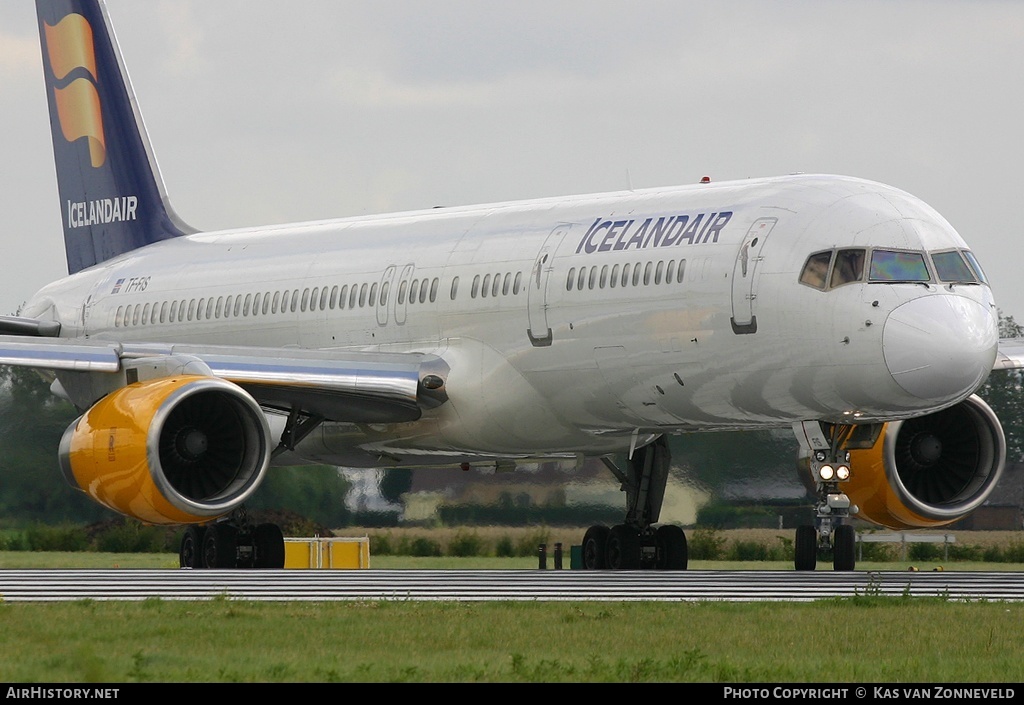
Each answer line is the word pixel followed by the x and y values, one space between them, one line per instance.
pixel 175 450
pixel 929 471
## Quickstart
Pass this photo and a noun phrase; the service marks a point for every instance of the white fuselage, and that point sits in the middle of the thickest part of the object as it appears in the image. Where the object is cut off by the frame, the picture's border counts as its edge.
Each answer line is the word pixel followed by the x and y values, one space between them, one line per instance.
pixel 555 348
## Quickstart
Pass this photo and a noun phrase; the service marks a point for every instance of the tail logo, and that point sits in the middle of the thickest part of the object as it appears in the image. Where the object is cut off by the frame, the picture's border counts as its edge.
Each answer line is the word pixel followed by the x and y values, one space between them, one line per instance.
pixel 70 50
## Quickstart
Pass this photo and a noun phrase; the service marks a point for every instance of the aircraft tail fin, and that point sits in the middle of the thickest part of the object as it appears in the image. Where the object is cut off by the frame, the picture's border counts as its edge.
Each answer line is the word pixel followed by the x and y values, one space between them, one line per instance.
pixel 111 193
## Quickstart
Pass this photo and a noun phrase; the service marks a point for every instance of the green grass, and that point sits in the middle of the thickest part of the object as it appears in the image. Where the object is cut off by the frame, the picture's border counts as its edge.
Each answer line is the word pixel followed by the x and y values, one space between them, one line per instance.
pixel 156 561
pixel 866 639
pixel 861 639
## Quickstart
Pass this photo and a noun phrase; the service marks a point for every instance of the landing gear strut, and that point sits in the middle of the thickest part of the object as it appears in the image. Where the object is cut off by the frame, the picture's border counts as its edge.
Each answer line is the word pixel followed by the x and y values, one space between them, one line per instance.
pixel 831 531
pixel 635 543
pixel 232 543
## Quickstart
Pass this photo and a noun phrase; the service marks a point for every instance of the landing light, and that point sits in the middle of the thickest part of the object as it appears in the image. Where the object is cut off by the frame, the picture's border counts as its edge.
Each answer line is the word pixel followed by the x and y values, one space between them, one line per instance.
pixel 826 472
pixel 842 473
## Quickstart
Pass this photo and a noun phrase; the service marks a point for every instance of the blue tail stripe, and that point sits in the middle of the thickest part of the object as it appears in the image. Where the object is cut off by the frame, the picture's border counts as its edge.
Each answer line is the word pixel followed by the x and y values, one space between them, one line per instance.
pixel 111 194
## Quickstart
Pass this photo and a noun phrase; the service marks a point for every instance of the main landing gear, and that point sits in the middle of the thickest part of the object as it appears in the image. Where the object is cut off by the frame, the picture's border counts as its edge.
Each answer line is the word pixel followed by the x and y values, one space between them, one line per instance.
pixel 635 543
pixel 233 543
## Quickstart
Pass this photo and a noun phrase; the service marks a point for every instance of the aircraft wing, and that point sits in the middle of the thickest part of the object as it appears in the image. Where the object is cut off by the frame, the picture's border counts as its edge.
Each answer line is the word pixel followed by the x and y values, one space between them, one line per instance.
pixel 1010 355
pixel 367 387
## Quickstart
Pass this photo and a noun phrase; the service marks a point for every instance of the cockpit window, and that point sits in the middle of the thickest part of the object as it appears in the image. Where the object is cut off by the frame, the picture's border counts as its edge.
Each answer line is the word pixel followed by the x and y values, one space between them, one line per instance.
pixel 891 266
pixel 975 266
pixel 816 269
pixel 849 267
pixel 951 267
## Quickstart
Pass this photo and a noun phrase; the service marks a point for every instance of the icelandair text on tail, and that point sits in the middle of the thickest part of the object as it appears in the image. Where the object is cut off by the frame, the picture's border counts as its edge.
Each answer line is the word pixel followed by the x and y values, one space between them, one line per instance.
pixel 104 210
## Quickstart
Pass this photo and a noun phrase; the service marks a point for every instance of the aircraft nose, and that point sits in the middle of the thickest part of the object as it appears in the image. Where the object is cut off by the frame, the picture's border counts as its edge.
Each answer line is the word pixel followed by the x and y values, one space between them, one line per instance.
pixel 940 347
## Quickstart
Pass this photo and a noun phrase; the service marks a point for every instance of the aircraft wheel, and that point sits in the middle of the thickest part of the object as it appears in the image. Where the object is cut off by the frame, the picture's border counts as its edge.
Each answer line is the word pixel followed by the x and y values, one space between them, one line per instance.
pixel 672 550
pixel 844 548
pixel 806 547
pixel 595 548
pixel 190 552
pixel 219 546
pixel 623 548
pixel 269 544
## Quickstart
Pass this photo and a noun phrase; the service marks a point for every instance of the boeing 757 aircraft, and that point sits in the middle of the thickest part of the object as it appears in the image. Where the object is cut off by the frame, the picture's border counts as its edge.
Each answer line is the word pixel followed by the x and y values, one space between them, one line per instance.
pixel 493 335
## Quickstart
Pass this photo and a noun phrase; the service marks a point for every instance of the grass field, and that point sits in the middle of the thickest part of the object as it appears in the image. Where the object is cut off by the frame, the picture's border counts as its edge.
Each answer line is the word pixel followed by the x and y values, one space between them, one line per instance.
pixel 865 639
pixel 859 640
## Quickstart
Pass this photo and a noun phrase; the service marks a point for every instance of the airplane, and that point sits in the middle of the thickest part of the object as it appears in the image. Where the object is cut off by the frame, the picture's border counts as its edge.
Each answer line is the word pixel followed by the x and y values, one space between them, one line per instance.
pixel 489 336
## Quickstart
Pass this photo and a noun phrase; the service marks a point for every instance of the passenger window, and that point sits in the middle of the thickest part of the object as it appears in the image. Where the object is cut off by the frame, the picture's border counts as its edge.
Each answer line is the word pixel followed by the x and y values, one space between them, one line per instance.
pixel 951 267
pixel 849 267
pixel 455 287
pixel 816 269
pixel 569 279
pixel 517 283
pixel 891 266
pixel 614 280
pixel 433 289
pixel 373 294
pixel 384 289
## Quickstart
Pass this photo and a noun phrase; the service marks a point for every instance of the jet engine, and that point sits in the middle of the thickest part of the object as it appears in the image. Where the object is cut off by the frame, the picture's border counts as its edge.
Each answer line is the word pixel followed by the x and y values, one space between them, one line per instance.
pixel 929 471
pixel 173 450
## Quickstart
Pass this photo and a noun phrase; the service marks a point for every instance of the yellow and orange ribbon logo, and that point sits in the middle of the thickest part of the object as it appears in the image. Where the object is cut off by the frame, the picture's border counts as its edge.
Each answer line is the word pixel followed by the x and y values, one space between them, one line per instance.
pixel 69 46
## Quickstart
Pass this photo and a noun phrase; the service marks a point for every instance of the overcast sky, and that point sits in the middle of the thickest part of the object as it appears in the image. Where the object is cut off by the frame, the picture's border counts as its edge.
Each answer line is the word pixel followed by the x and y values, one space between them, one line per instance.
pixel 267 111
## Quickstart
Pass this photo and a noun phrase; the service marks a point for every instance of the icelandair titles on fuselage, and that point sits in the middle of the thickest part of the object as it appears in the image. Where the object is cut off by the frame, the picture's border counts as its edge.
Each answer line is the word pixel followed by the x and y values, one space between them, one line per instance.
pixel 82 214
pixel 662 231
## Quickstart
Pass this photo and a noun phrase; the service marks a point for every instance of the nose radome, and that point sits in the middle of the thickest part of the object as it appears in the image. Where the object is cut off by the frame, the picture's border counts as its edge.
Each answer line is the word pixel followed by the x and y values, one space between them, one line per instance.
pixel 940 347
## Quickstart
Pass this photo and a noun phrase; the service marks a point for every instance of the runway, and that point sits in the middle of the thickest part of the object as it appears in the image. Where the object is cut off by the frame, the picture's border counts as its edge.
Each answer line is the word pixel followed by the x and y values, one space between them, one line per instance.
pixel 517 585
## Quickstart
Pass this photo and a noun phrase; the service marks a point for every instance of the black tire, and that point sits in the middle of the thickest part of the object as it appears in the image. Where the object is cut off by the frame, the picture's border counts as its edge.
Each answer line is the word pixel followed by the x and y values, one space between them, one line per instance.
pixel 623 548
pixel 844 548
pixel 595 548
pixel 219 546
pixel 191 550
pixel 269 544
pixel 806 548
pixel 673 553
